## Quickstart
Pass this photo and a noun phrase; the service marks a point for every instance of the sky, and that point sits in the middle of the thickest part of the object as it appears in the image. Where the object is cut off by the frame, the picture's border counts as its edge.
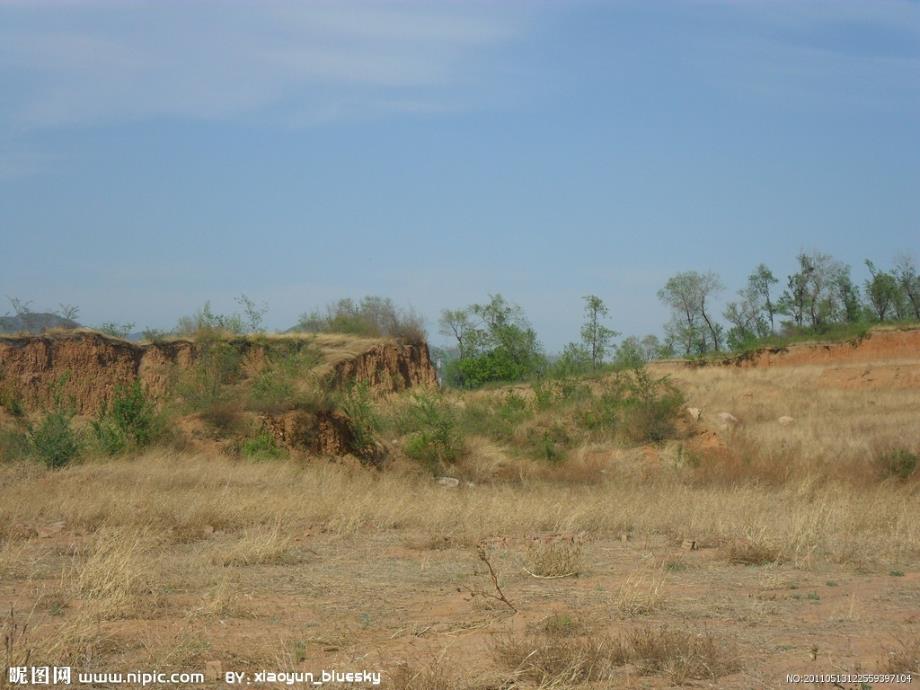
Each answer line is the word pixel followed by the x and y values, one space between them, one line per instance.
pixel 156 155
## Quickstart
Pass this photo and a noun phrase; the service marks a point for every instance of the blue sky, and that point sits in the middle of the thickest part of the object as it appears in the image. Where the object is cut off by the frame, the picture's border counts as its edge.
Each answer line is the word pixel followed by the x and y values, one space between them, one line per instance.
pixel 154 155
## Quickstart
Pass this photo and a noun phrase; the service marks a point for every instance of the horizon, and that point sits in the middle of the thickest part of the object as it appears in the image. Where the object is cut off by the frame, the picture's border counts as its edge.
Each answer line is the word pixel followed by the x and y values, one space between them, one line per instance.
pixel 154 157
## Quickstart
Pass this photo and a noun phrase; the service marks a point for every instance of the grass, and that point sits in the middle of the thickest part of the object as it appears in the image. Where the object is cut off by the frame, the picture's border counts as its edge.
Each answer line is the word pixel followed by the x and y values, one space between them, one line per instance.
pixel 173 557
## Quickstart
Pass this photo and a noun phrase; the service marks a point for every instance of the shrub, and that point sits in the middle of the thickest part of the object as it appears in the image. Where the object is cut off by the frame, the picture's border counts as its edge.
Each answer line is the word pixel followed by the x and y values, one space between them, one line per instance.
pixel 54 441
pixel 132 421
pixel 365 424
pixel 435 437
pixel 262 447
pixel 116 330
pixel 217 364
pixel 275 388
pixel 372 316
pixel 651 407
pixel 897 463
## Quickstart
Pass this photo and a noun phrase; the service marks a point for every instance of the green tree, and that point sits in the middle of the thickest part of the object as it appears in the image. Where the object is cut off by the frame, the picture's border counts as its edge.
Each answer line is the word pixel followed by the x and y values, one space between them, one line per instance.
pixel 688 295
pixel 909 282
pixel 595 336
pixel 498 343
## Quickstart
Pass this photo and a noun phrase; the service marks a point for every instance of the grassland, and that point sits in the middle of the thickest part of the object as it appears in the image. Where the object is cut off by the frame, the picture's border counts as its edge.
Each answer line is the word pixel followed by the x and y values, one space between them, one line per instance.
pixel 724 555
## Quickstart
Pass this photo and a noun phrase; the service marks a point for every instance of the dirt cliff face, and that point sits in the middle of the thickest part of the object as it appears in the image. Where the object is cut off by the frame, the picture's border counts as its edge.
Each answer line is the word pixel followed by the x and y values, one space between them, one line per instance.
pixel 877 345
pixel 85 368
pixel 388 368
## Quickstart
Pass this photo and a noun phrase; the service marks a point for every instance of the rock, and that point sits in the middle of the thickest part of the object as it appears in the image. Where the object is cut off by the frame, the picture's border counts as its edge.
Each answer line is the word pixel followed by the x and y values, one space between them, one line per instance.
pixel 695 413
pixel 785 420
pixel 689 545
pixel 448 482
pixel 727 420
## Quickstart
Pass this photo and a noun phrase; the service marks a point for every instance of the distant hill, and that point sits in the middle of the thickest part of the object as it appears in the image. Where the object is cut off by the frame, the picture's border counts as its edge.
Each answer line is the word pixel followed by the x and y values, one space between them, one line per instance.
pixel 35 322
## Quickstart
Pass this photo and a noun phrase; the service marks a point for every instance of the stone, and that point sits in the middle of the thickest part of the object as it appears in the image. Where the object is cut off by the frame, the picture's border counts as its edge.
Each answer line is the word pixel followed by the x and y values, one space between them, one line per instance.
pixel 695 413
pixel 785 420
pixel 689 545
pixel 448 482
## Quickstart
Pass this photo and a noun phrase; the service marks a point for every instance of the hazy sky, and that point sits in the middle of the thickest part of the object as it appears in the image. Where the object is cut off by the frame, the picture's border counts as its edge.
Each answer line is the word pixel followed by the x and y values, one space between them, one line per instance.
pixel 154 155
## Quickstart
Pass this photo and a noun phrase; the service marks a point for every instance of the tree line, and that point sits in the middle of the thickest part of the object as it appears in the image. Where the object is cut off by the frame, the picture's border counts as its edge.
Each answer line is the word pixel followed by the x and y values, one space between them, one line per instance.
pixel 816 298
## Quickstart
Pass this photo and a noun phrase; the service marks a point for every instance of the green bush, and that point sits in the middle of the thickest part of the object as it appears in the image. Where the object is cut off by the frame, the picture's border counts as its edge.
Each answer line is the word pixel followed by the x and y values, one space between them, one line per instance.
pixel 262 447
pixel 54 441
pixel 275 388
pixel 132 421
pixel 650 408
pixel 217 365
pixel 435 437
pixel 898 463
pixel 365 423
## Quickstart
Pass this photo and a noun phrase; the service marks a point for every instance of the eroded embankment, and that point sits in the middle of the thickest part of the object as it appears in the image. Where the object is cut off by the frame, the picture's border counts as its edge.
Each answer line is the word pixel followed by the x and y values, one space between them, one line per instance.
pixel 86 368
pixel 879 345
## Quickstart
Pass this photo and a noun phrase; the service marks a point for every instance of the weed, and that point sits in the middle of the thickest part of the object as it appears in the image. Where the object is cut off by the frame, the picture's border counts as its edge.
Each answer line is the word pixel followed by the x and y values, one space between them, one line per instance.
pixel 435 439
pixel 897 463
pixel 365 423
pixel 262 447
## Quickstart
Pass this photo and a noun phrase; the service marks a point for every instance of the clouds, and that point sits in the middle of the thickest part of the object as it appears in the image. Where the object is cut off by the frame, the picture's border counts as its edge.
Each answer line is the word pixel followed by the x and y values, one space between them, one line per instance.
pixel 101 62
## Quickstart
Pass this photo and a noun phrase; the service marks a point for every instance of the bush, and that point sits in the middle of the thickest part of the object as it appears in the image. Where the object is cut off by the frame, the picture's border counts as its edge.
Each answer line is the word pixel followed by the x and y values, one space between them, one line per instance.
pixel 651 407
pixel 365 424
pixel 217 364
pixel 275 388
pixel 897 463
pixel 132 421
pixel 262 447
pixel 435 438
pixel 54 441
pixel 372 316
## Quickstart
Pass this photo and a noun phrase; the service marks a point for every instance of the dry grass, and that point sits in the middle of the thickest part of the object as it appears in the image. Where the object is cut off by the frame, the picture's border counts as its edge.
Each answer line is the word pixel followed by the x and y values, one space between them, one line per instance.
pixel 904 656
pixel 259 545
pixel 639 594
pixel 178 496
pixel 681 654
pixel 554 559
pixel 562 662
pixel 117 577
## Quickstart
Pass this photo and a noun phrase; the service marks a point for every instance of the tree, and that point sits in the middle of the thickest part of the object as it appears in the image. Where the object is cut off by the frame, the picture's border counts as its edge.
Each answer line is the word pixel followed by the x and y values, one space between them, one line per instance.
pixel 820 292
pixel 759 283
pixel 909 282
pixel 881 291
pixel 457 323
pixel 687 294
pixel 498 343
pixel 68 311
pixel 596 336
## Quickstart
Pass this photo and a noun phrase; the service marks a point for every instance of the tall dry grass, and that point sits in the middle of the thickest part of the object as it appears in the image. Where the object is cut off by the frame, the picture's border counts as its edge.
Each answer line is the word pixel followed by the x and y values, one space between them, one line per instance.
pixel 181 498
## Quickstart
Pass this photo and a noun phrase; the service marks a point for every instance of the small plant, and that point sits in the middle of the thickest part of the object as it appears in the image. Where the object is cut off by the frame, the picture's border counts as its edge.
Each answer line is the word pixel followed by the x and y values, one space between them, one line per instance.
pixel 898 463
pixel 262 447
pixel 651 407
pixel 54 441
pixel 561 625
pixel 131 421
pixel 365 423
pixel 436 439
pixel 116 330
